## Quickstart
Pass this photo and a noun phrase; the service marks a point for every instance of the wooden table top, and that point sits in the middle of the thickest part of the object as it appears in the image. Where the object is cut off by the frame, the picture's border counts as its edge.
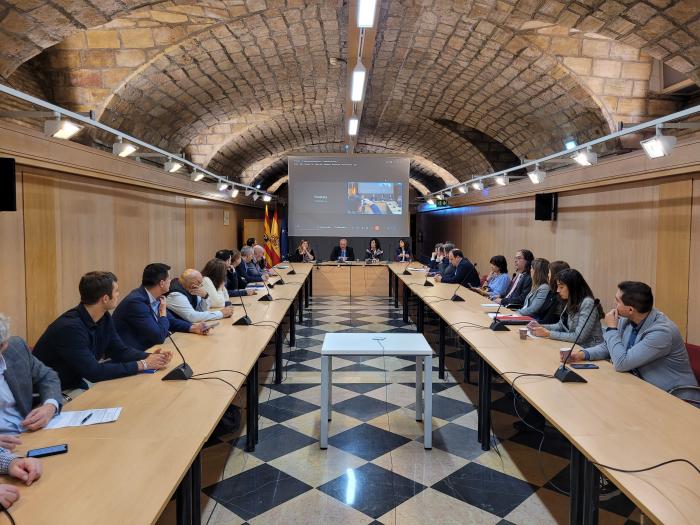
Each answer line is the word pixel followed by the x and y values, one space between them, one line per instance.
pixel 127 471
pixel 615 419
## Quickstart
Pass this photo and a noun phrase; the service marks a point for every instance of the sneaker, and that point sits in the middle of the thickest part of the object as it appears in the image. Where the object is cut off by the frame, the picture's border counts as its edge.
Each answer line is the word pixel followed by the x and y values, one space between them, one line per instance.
pixel 606 490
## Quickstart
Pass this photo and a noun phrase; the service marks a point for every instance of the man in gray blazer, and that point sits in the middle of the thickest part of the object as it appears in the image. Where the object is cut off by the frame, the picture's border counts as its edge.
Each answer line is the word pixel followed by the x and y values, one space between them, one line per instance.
pixel 642 340
pixel 21 374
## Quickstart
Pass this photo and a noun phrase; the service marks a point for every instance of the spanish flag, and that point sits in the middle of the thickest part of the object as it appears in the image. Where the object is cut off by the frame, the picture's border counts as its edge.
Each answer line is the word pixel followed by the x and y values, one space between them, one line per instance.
pixel 272 239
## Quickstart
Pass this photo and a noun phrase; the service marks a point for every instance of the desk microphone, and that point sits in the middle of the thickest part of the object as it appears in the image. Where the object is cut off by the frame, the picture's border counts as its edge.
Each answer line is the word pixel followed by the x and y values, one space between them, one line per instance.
pixel 281 281
pixel 181 372
pixel 496 325
pixel 405 269
pixel 456 297
pixel 267 296
pixel 566 375
pixel 289 260
pixel 245 320
pixel 427 282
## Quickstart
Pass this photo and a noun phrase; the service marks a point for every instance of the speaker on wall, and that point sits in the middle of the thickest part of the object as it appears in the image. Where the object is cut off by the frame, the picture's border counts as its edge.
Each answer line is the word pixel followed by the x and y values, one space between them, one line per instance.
pixel 546 207
pixel 8 188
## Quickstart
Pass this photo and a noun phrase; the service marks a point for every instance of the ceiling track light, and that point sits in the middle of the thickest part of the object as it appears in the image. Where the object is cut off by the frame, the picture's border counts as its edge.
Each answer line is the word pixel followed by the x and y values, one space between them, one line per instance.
pixel 537 175
pixel 570 143
pixel 501 180
pixel 353 125
pixel 359 74
pixel 366 13
pixel 248 191
pixel 462 188
pixel 431 201
pixel 172 166
pixel 447 193
pixel 255 196
pixel 478 185
pixel 60 129
pixel 267 198
pixel 123 149
pixel 659 145
pixel 234 192
pixel 586 157
pixel 223 185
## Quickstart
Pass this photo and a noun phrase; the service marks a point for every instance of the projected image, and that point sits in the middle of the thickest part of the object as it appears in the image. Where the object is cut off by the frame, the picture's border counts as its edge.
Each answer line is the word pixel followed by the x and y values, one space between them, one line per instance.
pixel 375 198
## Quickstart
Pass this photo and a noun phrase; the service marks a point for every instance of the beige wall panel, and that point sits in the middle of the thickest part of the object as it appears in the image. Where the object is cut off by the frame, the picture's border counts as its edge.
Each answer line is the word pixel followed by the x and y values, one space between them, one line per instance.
pixel 694 277
pixel 208 229
pixel 253 227
pixel 12 294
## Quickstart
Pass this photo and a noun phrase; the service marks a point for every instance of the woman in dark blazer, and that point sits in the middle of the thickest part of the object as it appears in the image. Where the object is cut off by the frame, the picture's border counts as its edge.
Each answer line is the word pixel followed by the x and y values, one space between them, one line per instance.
pixel 403 252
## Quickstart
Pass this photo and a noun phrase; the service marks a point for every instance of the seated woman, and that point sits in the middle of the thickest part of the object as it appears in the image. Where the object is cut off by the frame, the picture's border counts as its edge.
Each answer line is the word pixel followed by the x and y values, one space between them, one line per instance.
pixel 374 252
pixel 498 279
pixel 553 305
pixel 535 300
pixel 214 282
pixel 574 322
pixel 304 253
pixel 235 282
pixel 403 252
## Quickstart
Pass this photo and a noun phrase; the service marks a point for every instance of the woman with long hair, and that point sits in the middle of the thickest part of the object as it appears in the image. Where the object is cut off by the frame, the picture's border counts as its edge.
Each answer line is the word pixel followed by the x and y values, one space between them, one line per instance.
pixel 535 300
pixel 214 282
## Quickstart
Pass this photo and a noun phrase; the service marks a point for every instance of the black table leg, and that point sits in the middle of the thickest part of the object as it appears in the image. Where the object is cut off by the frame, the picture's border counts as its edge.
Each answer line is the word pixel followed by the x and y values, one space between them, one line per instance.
pixel 420 315
pixel 183 504
pixel 576 486
pixel 405 303
pixel 391 281
pixel 255 400
pixel 396 291
pixel 251 400
pixel 196 469
pixel 301 305
pixel 591 486
pixel 279 338
pixel 441 349
pixel 292 324
pixel 467 363
pixel 310 287
pixel 484 415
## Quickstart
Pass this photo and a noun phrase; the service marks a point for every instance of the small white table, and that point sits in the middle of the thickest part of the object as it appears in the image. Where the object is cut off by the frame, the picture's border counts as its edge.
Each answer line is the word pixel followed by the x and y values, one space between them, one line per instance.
pixel 398 345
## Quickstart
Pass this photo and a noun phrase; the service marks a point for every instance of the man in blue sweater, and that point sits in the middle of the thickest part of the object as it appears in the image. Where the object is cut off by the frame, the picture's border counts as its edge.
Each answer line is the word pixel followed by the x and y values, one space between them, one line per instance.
pixel 142 319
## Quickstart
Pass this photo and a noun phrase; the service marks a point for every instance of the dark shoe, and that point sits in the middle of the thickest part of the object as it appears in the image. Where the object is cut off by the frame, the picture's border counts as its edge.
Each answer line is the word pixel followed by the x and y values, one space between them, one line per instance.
pixel 606 490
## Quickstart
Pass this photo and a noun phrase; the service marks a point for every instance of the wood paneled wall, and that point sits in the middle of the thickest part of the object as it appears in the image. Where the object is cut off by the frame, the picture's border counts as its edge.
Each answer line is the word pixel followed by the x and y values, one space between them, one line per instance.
pixel 644 231
pixel 68 225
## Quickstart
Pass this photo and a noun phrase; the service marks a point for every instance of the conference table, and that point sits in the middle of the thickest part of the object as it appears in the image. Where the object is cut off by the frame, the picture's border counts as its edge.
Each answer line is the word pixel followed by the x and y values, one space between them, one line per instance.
pixel 127 471
pixel 613 420
pixel 350 279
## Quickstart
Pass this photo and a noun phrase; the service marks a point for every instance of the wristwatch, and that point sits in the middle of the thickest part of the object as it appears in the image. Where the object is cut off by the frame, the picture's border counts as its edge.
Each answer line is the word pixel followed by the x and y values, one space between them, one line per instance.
pixel 611 328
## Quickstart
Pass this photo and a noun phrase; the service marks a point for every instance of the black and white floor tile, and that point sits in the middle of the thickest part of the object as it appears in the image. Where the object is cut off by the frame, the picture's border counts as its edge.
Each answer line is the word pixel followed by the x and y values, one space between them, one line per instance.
pixel 375 469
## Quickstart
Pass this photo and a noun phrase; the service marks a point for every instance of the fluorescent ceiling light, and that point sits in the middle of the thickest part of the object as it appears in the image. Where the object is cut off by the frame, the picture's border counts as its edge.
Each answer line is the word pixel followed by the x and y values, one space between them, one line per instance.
pixel 478 185
pixel 462 189
pixel 223 185
pixel 586 158
pixel 60 129
pixel 431 202
pixel 537 175
pixel 658 146
pixel 267 198
pixel 123 149
pixel 353 124
pixel 234 192
pixel 365 13
pixel 358 82
pixel 501 180
pixel 570 144
pixel 255 196
pixel 196 176
pixel 172 166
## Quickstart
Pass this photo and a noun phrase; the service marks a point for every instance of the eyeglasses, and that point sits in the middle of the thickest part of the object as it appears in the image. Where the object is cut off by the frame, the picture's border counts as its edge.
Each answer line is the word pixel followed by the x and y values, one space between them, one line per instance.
pixel 519 257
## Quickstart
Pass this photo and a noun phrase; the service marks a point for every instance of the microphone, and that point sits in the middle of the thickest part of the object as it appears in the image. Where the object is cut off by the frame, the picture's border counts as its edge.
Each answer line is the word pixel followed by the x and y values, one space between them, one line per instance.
pixel 181 372
pixel 496 325
pixel 289 260
pixel 566 375
pixel 456 297
pixel 427 282
pixel 405 269
pixel 281 281
pixel 245 320
pixel 267 296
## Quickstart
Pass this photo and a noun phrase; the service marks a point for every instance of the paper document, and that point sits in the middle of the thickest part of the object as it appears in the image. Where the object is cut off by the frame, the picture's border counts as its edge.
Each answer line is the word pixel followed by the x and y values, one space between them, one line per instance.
pixel 282 266
pixel 492 315
pixel 418 269
pixel 83 418
pixel 489 305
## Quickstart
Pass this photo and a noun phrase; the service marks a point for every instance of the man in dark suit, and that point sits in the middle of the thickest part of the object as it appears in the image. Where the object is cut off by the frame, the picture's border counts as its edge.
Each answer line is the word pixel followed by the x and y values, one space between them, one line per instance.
pixel 521 283
pixel 21 374
pixel 247 269
pixel 465 273
pixel 142 319
pixel 342 252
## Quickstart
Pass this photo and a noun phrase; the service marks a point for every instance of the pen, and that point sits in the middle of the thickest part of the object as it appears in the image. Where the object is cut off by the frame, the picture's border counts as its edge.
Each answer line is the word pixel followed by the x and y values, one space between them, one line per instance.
pixel 86 418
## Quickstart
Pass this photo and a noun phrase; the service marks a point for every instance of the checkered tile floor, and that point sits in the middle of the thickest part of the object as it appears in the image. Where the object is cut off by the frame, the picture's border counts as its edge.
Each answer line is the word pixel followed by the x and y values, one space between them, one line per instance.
pixel 375 469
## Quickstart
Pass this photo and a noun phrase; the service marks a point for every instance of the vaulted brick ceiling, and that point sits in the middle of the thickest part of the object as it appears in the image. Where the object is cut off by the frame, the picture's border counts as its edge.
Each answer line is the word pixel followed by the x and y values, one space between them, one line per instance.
pixel 462 87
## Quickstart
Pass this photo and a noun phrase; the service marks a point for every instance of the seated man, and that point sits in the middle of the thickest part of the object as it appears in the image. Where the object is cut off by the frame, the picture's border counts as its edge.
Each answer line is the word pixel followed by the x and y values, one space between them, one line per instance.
pixel 235 284
pixel 642 340
pixel 76 344
pixel 142 319
pixel 259 260
pixel 22 374
pixel 27 470
pixel 187 299
pixel 342 252
pixel 247 268
pixel 465 273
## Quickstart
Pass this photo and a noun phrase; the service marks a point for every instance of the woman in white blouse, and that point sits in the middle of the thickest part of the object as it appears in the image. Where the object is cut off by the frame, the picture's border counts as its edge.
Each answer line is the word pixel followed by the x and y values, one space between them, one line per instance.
pixel 214 283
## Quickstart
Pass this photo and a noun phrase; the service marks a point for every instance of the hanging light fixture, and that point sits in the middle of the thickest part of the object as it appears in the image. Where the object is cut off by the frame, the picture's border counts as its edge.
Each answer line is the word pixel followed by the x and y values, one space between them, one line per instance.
pixel 358 82
pixel 586 157
pixel 537 175
pixel 172 166
pixel 659 145
pixel 501 180
pixel 123 149
pixel 60 129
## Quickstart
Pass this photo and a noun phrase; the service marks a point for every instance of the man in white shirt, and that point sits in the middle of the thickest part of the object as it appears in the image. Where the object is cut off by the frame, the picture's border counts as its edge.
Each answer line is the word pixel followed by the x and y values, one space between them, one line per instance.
pixel 188 300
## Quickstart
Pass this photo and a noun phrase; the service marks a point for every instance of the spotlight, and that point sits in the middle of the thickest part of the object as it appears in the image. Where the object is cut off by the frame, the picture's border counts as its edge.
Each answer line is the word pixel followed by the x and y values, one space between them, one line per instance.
pixel 478 185
pixel 123 149
pixel 248 191
pixel 172 166
pixel 234 193
pixel 462 189
pixel 570 143
pixel 658 146
pixel 255 197
pixel 353 124
pixel 365 13
pixel 60 129
pixel 447 193
pixel 223 186
pixel 358 82
pixel 586 158
pixel 501 180
pixel 267 198
pixel 537 175
pixel 196 176
pixel 431 202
